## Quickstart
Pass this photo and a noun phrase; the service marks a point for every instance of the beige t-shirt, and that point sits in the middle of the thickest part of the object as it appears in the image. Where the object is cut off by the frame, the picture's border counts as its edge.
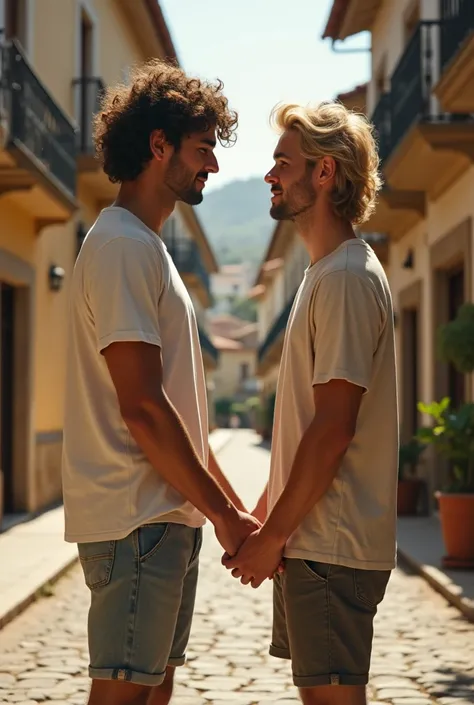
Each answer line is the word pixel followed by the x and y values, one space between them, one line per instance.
pixel 341 327
pixel 125 287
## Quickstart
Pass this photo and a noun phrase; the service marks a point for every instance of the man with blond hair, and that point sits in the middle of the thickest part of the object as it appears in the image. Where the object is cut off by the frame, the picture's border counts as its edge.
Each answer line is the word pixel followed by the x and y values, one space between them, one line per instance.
pixel 330 505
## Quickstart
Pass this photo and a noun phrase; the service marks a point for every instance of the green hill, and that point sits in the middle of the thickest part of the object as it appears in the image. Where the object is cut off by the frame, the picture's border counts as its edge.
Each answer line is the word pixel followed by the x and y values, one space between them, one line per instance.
pixel 236 220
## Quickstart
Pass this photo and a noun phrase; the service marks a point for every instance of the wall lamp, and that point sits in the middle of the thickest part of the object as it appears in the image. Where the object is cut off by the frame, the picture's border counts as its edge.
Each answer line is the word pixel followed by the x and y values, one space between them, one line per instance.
pixel 56 277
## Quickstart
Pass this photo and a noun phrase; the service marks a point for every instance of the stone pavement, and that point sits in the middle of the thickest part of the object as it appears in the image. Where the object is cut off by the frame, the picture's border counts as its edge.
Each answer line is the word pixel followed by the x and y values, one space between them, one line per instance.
pixel 423 651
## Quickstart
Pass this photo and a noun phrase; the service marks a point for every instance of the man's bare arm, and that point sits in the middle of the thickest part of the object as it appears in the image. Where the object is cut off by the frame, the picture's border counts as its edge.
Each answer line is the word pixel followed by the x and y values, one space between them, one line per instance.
pixel 136 372
pixel 261 509
pixel 318 457
pixel 217 474
pixel 315 466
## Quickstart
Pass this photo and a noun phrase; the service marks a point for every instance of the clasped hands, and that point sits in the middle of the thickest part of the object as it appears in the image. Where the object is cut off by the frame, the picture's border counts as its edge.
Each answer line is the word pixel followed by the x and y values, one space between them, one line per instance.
pixel 258 558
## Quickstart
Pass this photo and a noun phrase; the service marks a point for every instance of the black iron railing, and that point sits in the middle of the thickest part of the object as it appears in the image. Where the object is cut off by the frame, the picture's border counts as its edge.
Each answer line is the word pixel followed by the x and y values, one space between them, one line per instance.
pixel 187 258
pixel 382 122
pixel 412 82
pixel 277 328
pixel 457 23
pixel 37 125
pixel 207 346
pixel 88 93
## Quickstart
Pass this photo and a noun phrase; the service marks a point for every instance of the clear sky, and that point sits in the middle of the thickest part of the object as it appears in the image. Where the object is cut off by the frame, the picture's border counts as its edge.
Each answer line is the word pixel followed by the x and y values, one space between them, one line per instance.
pixel 265 51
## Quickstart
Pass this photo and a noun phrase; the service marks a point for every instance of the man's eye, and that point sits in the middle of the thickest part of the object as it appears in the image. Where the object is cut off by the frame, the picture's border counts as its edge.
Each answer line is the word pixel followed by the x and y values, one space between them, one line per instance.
pixel 203 150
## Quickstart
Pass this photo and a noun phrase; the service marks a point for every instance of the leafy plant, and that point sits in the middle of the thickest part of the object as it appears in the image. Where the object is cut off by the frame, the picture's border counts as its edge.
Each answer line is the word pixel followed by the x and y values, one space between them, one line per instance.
pixel 452 435
pixel 223 406
pixel 456 340
pixel 408 458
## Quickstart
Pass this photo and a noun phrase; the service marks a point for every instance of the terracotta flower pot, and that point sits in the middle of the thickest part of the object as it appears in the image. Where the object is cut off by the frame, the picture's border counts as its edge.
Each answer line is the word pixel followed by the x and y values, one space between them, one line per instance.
pixel 408 496
pixel 457 523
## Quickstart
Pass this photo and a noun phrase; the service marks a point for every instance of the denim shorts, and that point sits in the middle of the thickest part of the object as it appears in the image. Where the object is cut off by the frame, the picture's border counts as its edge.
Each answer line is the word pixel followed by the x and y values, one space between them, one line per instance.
pixel 143 589
pixel 323 621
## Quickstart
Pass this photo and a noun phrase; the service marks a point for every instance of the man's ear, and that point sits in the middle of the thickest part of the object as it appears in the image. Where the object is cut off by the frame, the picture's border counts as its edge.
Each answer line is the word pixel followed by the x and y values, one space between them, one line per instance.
pixel 327 170
pixel 158 144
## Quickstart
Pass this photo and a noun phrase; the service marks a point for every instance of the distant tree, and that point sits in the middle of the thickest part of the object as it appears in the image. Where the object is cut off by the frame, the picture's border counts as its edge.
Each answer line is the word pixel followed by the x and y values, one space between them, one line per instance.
pixel 244 308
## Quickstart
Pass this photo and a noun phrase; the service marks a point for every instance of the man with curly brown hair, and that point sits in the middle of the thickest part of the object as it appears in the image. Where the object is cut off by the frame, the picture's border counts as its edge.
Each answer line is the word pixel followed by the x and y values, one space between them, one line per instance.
pixel 138 476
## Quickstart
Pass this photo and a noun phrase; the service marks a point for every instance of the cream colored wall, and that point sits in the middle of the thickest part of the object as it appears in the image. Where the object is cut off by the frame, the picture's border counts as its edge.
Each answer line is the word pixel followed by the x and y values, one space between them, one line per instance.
pixel 53 54
pixel 56 45
pixel 56 245
pixel 227 376
pixel 17 231
pixel 453 208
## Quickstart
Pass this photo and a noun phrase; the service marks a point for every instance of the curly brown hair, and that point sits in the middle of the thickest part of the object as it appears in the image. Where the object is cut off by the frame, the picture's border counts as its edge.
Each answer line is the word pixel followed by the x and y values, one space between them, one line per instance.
pixel 159 96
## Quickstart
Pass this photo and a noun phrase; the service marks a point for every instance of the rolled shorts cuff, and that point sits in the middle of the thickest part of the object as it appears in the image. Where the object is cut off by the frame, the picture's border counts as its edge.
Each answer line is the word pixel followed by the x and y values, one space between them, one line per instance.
pixel 126 675
pixel 329 679
pixel 176 661
pixel 279 653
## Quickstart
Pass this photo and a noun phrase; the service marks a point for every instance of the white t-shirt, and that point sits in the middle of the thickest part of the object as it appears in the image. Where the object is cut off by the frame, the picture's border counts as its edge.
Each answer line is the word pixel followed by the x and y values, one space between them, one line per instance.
pixel 125 287
pixel 341 327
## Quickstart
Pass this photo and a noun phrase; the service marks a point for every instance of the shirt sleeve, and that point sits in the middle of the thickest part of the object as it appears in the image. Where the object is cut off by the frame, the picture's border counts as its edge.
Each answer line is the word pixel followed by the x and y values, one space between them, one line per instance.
pixel 347 321
pixel 125 284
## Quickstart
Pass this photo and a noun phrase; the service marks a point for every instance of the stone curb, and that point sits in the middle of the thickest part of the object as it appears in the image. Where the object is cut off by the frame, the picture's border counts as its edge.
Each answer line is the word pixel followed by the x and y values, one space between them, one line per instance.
pixel 40 590
pixel 440 582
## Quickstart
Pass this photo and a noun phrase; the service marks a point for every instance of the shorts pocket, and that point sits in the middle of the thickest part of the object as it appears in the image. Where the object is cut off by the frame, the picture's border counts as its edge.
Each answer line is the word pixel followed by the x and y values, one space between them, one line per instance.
pixel 319 571
pixel 97 560
pixel 370 586
pixel 150 539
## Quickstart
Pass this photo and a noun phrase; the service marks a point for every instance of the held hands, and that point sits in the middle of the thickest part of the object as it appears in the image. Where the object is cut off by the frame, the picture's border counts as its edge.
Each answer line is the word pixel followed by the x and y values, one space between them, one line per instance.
pixel 232 531
pixel 259 558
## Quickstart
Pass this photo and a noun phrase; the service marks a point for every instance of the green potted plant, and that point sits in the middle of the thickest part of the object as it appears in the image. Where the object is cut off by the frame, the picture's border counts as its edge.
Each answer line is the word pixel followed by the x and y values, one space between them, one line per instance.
pixel 409 486
pixel 452 435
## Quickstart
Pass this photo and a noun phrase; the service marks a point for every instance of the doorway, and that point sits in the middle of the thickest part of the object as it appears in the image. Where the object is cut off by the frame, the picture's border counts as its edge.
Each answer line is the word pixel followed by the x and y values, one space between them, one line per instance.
pixel 7 393
pixel 455 295
pixel 410 302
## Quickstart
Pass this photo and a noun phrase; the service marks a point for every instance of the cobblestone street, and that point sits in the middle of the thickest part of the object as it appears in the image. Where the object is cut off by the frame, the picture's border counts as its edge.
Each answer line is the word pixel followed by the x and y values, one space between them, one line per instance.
pixel 423 652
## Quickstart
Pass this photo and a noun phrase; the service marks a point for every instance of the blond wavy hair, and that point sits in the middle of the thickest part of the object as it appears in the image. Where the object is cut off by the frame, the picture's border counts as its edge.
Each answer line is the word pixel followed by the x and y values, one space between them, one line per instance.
pixel 330 130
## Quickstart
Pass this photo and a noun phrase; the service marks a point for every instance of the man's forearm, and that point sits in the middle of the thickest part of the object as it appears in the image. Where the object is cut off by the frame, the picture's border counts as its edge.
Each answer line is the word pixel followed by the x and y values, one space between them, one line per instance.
pixel 316 464
pixel 261 508
pixel 162 436
pixel 217 474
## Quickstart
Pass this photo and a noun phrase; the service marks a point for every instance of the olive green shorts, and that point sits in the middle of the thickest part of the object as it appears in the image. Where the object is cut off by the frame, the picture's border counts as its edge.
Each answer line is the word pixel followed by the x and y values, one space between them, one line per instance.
pixel 323 621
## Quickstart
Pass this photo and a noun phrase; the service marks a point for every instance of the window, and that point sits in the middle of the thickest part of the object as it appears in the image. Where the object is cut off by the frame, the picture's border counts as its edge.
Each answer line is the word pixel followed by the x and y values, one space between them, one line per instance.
pixel 244 371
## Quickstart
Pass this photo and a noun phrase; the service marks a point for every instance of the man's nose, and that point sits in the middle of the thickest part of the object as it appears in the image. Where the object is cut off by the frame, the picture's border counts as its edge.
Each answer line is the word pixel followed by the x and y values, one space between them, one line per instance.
pixel 212 165
pixel 270 178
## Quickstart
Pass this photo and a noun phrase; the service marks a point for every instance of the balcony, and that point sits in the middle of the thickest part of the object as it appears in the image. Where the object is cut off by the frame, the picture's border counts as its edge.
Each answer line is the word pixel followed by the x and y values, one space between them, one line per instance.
pixel 38 157
pixel 87 95
pixel 427 149
pixel 270 351
pixel 397 210
pixel 455 88
pixel 210 354
pixel 187 258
